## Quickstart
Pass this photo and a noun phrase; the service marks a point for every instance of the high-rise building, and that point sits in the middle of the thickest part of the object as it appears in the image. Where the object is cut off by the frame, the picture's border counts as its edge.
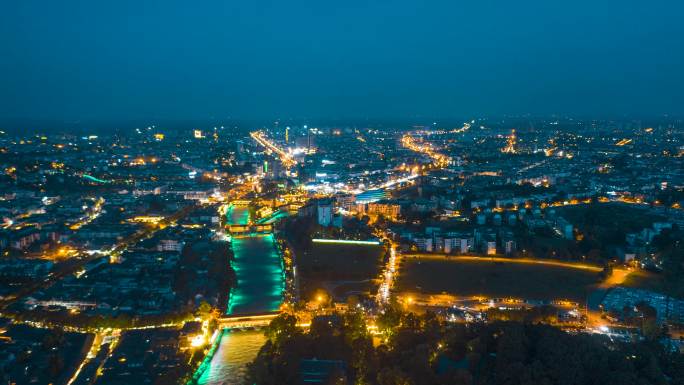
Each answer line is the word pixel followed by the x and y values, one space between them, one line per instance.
pixel 240 154
pixel 325 212
pixel 564 228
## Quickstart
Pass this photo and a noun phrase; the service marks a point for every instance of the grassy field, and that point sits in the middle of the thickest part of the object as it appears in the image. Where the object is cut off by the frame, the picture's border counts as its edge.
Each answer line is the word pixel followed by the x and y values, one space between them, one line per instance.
pixel 644 280
pixel 495 279
pixel 609 216
pixel 341 263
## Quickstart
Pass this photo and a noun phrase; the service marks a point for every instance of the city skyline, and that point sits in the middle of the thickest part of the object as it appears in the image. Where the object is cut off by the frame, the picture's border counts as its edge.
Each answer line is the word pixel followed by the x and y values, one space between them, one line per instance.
pixel 335 193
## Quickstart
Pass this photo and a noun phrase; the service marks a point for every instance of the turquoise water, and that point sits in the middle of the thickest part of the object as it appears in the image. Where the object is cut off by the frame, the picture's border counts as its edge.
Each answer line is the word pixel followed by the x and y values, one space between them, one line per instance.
pixel 237 215
pixel 259 272
pixel 260 285
pixel 235 351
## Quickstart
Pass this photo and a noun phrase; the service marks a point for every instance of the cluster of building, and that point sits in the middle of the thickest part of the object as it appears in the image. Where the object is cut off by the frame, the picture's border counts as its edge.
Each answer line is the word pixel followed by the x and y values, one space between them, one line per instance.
pixel 146 357
pixel 139 214
pixel 620 299
pixel 142 282
pixel 37 356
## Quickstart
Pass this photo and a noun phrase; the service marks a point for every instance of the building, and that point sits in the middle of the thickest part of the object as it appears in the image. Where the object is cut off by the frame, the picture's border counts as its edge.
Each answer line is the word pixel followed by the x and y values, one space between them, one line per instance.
pixel 24 238
pixel 424 244
pixel 490 247
pixel 170 245
pixel 509 246
pixel 564 228
pixel 386 209
pixel 307 210
pixel 325 212
pixel 512 220
pixel 457 245
pixel 346 202
pixel 371 196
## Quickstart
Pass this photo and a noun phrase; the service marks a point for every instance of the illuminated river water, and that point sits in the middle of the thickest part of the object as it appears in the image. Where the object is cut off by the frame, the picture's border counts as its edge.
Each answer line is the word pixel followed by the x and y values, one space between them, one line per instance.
pixel 260 284
pixel 235 351
pixel 237 215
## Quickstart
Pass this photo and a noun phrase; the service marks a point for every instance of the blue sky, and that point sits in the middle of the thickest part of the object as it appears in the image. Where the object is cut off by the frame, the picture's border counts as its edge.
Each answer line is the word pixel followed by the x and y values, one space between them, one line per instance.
pixel 97 60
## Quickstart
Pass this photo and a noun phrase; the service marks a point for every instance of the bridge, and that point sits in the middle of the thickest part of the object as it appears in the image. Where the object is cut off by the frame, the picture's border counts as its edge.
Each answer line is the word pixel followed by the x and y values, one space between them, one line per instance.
pixel 247 321
pixel 272 218
pixel 238 230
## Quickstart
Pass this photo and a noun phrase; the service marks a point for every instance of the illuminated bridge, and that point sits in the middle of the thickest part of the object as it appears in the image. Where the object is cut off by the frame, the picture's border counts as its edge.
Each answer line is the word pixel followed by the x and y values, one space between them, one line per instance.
pixel 249 229
pixel 239 223
pixel 247 321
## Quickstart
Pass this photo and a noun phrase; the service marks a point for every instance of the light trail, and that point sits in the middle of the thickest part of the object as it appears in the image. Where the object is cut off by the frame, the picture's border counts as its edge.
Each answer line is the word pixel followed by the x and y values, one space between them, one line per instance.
pixel 345 241
pixel 110 336
pixel 286 158
pixel 466 127
pixel 439 160
pixel 94 179
pixel 531 166
pixel 95 212
pixel 113 340
pixel 510 144
pixel 92 352
pixel 388 277
pixel 527 261
pixel 396 181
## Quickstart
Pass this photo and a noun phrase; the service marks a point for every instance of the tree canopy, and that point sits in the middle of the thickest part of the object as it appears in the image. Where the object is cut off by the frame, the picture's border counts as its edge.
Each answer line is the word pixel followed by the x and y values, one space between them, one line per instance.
pixel 426 350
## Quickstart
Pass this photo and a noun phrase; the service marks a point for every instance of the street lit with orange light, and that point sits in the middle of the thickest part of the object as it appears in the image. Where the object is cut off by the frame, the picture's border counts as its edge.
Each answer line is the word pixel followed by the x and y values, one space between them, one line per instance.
pixel 439 160
pixel 524 261
pixel 286 158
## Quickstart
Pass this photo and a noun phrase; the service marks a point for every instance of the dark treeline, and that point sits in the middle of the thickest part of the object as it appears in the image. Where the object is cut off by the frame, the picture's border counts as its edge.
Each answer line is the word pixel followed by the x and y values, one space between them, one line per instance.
pixel 424 350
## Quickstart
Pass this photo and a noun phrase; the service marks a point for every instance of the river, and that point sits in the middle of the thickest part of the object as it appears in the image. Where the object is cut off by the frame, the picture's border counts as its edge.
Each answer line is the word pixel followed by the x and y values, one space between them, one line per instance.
pixel 235 351
pixel 260 285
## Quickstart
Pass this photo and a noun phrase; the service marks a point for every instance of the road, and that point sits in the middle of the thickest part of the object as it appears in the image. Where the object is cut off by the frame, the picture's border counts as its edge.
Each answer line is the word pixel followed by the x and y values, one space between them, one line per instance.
pixel 530 261
pixel 286 159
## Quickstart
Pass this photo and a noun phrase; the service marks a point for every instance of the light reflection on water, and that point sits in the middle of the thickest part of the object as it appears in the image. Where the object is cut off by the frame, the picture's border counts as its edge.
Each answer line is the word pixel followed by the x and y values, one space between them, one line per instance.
pixel 260 281
pixel 229 365
pixel 260 285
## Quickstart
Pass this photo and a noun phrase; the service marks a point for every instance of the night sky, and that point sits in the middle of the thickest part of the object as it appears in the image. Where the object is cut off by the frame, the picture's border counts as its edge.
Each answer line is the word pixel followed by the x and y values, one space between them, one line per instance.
pixel 250 59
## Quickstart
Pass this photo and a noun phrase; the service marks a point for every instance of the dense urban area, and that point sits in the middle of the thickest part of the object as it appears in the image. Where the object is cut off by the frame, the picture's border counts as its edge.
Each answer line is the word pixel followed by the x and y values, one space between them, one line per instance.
pixel 520 250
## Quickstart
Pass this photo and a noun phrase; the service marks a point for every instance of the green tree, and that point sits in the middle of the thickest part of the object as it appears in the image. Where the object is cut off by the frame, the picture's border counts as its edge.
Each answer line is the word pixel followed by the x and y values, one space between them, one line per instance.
pixel 204 310
pixel 282 328
pixel 393 376
pixel 389 318
pixel 355 326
